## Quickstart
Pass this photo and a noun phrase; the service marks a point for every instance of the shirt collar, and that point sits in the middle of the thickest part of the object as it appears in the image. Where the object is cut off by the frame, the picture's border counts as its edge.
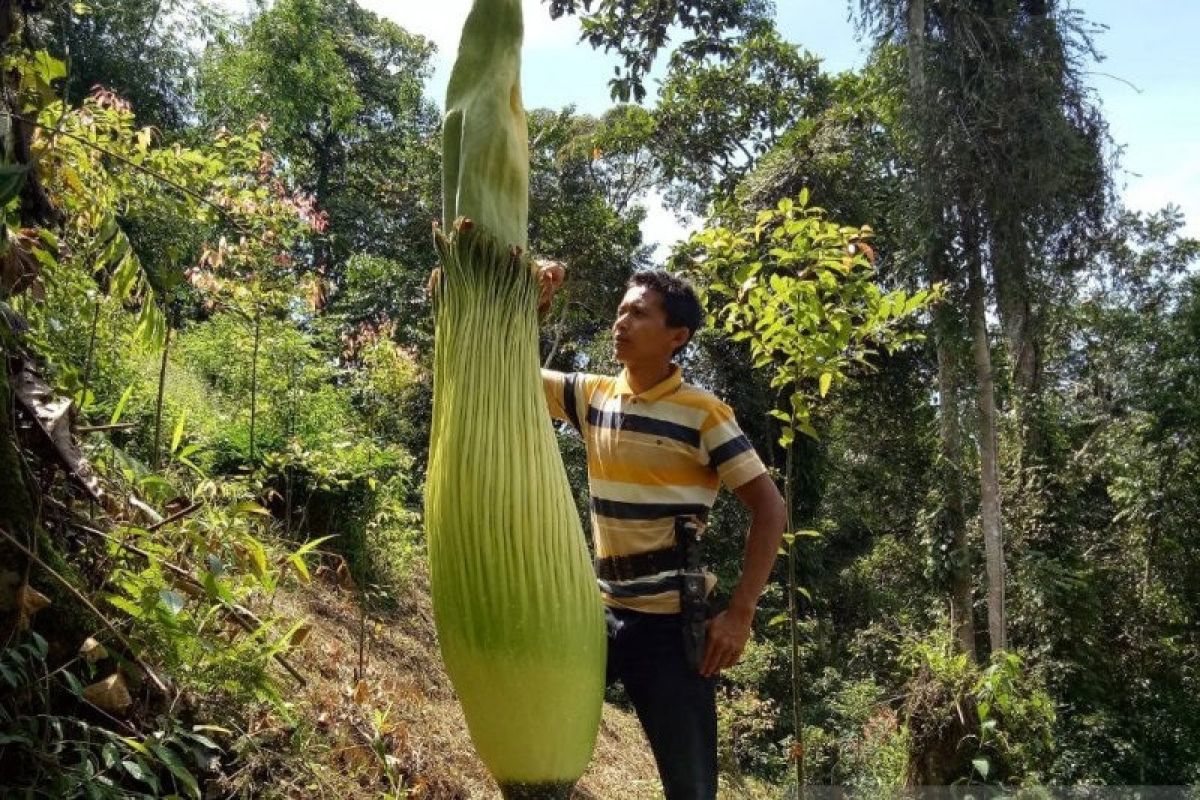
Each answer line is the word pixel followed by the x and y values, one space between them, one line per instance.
pixel 656 392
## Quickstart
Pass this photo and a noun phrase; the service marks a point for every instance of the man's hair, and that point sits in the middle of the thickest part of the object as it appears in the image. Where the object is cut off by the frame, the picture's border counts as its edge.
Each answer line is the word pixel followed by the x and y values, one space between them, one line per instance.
pixel 679 300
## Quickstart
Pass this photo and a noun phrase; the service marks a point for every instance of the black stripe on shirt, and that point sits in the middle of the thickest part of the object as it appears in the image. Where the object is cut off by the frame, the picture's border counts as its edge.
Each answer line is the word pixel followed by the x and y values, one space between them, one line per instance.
pixel 615 509
pixel 735 446
pixel 640 588
pixel 639 424
pixel 569 402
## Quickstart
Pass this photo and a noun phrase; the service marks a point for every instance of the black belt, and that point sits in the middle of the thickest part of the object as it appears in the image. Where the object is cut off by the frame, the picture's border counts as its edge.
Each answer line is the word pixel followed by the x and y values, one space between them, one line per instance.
pixel 639 565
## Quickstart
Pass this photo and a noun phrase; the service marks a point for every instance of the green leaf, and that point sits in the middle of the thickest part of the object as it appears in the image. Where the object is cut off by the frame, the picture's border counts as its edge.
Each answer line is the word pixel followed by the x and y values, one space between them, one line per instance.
pixel 177 437
pixel 258 558
pixel 120 409
pixel 250 507
pixel 301 568
pixel 174 601
pixel 981 766
pixel 151 331
pixel 826 382
pixel 48 67
pixel 73 684
pixel 124 277
pixel 216 587
pixel 138 772
pixel 12 178
pixel 10 677
pixel 178 770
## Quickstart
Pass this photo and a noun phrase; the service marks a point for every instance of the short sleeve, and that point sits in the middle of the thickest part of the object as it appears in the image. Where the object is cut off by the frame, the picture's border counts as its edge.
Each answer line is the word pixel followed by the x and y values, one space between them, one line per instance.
pixel 729 452
pixel 563 391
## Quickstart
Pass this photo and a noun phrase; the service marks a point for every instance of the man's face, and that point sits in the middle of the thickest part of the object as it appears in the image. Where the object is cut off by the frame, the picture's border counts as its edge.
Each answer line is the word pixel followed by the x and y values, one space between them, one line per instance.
pixel 641 334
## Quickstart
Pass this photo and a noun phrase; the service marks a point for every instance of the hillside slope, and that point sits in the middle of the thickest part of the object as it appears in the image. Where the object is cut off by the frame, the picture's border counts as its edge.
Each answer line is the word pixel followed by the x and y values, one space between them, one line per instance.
pixel 402 715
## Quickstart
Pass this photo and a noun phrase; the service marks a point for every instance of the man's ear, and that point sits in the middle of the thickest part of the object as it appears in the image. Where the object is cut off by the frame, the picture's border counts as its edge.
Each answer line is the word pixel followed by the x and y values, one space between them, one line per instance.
pixel 680 338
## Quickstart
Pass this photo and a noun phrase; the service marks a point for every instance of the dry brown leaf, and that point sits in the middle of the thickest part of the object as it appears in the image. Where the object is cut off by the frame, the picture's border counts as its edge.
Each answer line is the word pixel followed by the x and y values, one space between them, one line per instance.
pixel 53 415
pixel 30 601
pixel 300 635
pixel 92 651
pixel 361 692
pixel 109 695
pixel 358 756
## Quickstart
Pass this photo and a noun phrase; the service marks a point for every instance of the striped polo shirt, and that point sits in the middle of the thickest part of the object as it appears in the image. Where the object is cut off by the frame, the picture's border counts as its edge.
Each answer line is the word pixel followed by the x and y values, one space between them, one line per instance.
pixel 651 456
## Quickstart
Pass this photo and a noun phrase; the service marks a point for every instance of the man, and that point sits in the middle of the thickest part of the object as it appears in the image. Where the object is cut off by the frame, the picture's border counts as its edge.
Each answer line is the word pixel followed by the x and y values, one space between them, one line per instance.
pixel 657 449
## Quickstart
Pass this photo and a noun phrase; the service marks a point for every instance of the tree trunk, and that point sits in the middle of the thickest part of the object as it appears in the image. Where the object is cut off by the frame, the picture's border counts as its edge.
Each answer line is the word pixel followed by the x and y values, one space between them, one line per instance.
pixel 915 45
pixel 962 601
pixel 254 379
pixel 989 481
pixel 1018 321
pixel 946 329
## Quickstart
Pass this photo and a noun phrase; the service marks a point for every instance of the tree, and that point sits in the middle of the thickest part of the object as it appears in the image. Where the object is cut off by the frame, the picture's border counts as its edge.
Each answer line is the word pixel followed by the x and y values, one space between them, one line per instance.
pixel 717 115
pixel 1107 572
pixel 146 51
pixel 798 289
pixel 581 214
pixel 962 64
pixel 639 29
pixel 857 154
pixel 343 91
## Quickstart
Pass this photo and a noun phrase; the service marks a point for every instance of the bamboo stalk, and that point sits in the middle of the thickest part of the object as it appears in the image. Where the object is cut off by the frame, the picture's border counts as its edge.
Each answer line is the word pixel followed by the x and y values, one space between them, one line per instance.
pixel 254 379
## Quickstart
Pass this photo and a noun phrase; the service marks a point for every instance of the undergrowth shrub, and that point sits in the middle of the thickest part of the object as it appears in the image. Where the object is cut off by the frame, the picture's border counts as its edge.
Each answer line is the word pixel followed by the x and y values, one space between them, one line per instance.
pixel 863 743
pixel 188 625
pixel 972 723
pixel 749 741
pixel 51 745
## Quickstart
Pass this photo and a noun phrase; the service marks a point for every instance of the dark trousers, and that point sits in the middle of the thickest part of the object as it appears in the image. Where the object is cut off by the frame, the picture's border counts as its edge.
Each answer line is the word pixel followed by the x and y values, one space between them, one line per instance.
pixel 675 704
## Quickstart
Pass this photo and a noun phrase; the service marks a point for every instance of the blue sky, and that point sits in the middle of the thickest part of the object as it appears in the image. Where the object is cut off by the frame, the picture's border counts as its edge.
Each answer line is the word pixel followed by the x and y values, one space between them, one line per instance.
pixel 1148 83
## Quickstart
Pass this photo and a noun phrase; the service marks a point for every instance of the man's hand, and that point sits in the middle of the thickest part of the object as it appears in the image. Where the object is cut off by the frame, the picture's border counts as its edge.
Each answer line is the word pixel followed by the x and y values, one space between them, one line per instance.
pixel 728 633
pixel 550 275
